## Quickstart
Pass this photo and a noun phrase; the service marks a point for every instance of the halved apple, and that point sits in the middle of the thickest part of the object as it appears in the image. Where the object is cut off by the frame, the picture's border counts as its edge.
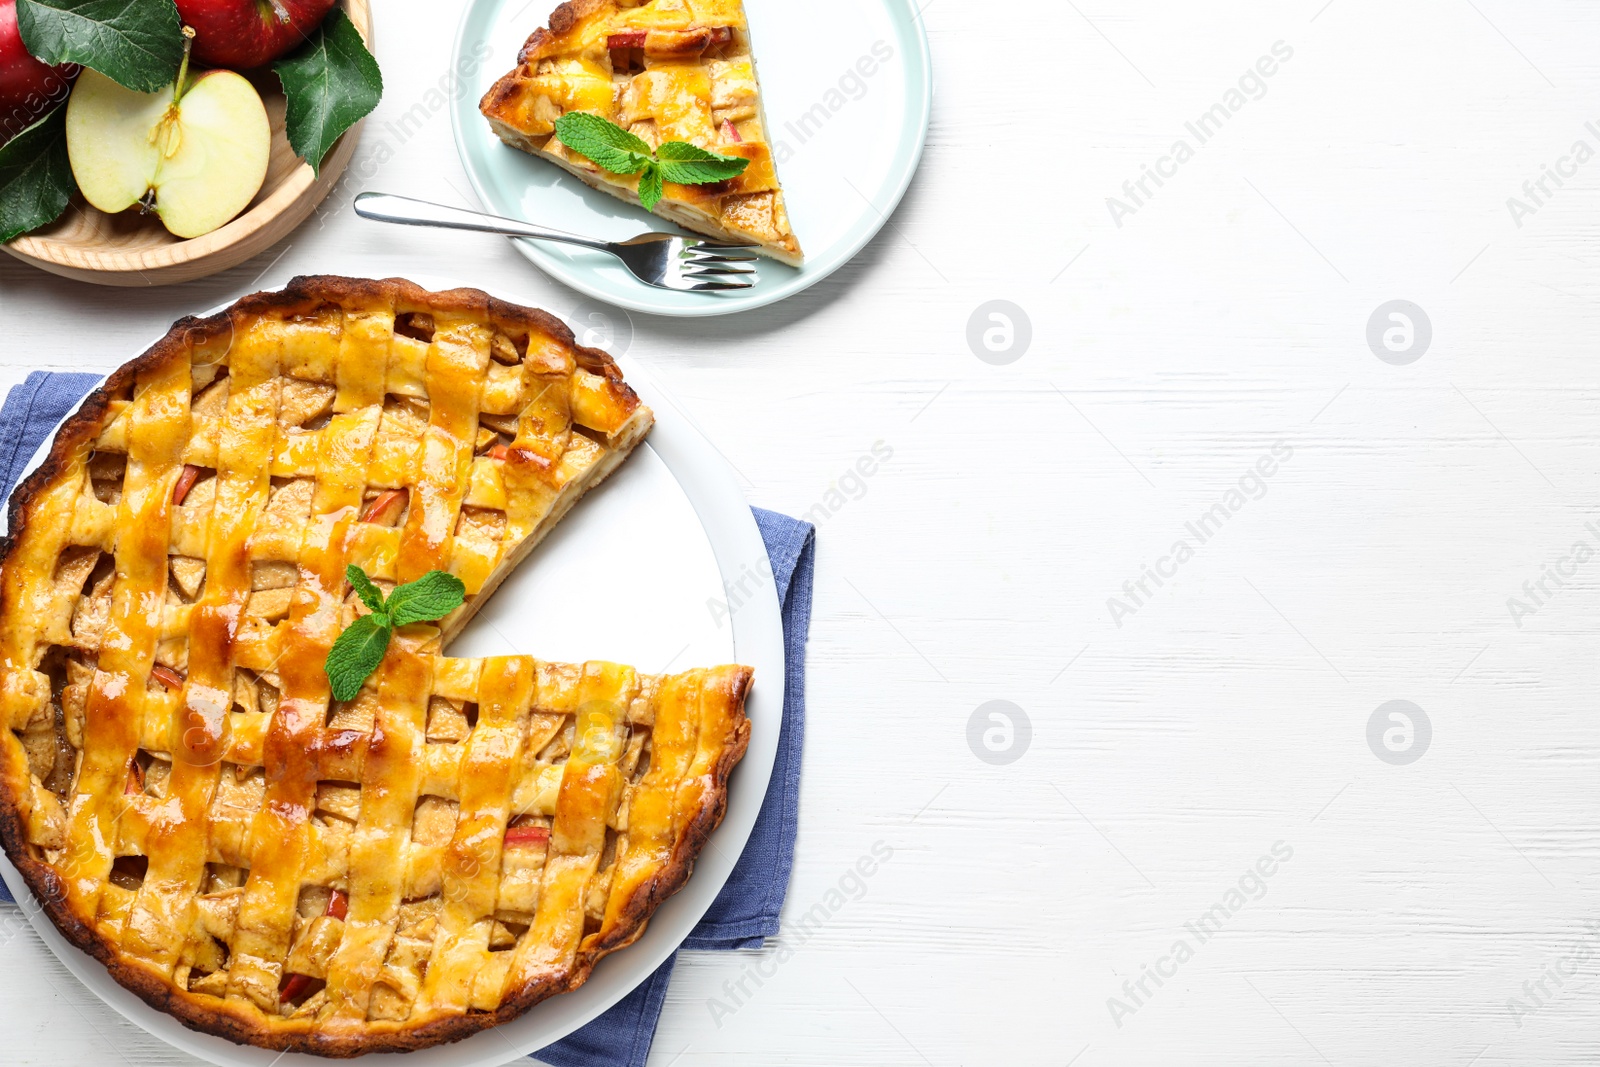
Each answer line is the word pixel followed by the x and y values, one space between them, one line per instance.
pixel 202 151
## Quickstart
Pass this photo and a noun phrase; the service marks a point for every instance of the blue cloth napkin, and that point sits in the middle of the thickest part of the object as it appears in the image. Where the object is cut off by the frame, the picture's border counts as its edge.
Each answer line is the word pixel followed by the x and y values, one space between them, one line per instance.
pixel 745 913
pixel 31 412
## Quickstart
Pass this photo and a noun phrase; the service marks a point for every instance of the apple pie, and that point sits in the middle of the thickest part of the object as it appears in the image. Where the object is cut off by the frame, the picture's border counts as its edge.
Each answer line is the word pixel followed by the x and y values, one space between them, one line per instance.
pixel 464 837
pixel 665 70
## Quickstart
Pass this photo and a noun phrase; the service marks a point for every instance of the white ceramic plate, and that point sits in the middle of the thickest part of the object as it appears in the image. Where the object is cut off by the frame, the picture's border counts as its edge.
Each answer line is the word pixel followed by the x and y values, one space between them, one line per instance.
pixel 671 525
pixel 846 141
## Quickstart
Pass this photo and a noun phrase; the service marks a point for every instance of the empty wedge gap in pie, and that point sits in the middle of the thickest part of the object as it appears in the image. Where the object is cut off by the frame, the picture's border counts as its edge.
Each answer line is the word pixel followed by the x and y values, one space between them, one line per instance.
pixel 461 840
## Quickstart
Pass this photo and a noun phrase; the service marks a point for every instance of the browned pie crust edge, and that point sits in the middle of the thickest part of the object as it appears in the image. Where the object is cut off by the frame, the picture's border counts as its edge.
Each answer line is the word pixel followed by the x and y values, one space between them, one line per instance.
pixel 208 1014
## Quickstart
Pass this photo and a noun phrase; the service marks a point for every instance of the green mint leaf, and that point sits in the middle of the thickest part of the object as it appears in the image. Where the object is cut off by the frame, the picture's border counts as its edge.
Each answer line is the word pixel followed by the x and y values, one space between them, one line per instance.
pixel 608 145
pixel 433 596
pixel 332 83
pixel 683 152
pixel 356 654
pixel 650 188
pixel 618 162
pixel 689 164
pixel 702 171
pixel 136 43
pixel 370 594
pixel 35 176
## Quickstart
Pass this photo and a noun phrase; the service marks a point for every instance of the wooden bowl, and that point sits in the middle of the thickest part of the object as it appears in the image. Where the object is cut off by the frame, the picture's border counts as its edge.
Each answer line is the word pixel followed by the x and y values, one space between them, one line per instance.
pixel 133 250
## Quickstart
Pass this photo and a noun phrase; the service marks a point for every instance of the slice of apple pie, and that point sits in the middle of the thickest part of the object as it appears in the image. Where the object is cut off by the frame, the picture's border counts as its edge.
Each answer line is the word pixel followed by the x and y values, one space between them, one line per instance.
pixel 664 70
pixel 458 841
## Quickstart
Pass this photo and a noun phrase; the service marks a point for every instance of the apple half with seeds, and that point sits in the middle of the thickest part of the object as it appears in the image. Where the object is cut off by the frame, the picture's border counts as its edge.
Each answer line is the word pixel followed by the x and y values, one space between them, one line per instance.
pixel 195 152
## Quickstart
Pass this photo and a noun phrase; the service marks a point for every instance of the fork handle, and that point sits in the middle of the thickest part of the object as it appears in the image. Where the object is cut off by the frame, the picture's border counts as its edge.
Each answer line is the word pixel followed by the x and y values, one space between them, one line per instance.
pixel 385 207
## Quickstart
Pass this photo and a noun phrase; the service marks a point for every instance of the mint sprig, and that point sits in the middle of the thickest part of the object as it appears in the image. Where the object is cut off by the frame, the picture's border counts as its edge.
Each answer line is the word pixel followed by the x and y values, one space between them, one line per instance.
pixel 359 650
pixel 612 148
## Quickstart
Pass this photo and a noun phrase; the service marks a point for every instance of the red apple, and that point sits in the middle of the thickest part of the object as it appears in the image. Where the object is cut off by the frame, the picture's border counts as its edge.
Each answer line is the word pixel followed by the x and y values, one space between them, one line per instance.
pixel 240 34
pixel 28 88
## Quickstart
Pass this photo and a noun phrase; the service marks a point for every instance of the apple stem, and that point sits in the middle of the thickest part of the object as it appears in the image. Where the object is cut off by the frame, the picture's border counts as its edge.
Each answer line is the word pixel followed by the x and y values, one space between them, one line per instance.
pixel 167 133
pixel 183 67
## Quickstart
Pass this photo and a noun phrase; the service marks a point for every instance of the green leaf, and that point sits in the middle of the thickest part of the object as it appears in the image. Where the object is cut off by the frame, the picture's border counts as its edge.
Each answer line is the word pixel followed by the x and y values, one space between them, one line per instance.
pixel 356 654
pixel 136 43
pixel 650 189
pixel 618 162
pixel 684 152
pixel 702 171
pixel 433 596
pixel 610 146
pixel 35 176
pixel 689 164
pixel 613 148
pixel 332 83
pixel 370 594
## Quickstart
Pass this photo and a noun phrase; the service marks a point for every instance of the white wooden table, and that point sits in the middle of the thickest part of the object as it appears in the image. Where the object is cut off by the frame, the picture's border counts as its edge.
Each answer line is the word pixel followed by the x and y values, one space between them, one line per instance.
pixel 1176 738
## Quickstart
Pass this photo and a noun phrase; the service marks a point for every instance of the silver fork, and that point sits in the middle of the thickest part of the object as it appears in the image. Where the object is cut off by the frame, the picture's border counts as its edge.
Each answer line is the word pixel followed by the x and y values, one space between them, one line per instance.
pixel 664 260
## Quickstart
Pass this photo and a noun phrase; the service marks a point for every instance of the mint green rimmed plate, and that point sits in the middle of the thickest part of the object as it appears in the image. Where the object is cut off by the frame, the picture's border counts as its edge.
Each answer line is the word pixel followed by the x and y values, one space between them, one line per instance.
pixel 848 90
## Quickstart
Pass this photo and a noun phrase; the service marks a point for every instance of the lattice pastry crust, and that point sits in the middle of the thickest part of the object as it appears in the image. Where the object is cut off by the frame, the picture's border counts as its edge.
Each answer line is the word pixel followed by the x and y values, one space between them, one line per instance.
pixel 460 841
pixel 667 70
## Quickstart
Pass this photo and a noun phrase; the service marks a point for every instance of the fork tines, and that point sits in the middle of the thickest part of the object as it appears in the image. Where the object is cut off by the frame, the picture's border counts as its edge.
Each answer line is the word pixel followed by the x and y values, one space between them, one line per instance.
pixel 716 264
